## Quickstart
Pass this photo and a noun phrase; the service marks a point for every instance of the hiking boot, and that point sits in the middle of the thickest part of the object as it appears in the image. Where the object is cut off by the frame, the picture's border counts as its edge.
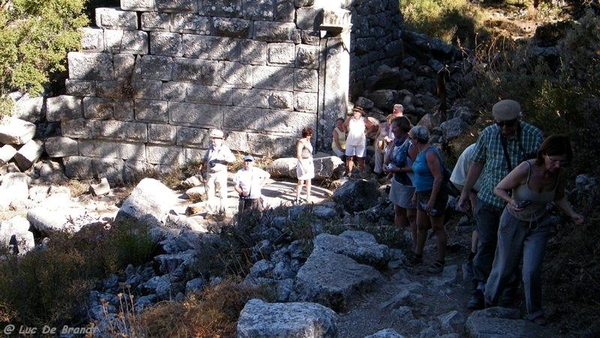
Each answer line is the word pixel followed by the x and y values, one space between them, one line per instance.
pixel 477 301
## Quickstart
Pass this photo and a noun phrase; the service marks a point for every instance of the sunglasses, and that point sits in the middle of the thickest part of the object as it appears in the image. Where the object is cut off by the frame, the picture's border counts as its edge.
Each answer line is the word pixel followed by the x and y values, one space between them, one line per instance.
pixel 509 123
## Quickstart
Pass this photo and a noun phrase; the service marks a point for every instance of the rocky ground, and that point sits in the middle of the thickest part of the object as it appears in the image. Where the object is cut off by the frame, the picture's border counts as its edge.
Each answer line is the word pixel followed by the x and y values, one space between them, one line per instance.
pixel 409 301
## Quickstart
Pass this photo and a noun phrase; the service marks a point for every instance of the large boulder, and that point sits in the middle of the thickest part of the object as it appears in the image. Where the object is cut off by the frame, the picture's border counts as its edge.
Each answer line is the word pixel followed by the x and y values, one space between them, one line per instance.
pixel 332 279
pixel 260 319
pixel 357 195
pixel 16 131
pixel 325 167
pixel 502 322
pixel 148 203
pixel 58 213
pixel 14 189
pixel 358 245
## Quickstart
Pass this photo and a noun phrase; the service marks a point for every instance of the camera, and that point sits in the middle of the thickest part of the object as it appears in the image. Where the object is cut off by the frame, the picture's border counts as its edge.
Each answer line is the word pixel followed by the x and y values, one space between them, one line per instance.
pixel 389 166
pixel 523 204
pixel 211 164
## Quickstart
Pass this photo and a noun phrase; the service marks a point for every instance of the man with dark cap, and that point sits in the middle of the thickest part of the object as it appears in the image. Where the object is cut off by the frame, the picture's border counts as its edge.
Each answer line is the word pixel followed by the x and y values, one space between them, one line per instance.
pixel 248 183
pixel 499 148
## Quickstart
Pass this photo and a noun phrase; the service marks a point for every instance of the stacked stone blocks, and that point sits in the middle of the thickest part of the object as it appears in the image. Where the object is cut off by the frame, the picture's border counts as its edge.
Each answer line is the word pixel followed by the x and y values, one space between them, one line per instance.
pixel 155 76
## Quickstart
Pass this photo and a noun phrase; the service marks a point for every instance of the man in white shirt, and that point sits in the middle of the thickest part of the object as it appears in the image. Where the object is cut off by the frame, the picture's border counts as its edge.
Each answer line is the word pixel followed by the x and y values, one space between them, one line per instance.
pixel 458 178
pixel 248 183
pixel 214 164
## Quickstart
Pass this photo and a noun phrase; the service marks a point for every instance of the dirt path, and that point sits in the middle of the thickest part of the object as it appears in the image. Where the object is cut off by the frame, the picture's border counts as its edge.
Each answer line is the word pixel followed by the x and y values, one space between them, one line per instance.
pixel 410 301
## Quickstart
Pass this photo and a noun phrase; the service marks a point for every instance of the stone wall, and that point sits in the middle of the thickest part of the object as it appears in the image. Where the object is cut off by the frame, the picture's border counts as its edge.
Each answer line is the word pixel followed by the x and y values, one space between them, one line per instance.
pixel 154 76
pixel 376 41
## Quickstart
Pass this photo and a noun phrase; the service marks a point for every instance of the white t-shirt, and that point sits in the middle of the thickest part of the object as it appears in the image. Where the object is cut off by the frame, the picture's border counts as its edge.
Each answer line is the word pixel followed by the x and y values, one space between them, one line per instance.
pixel 356 132
pixel 459 174
pixel 250 181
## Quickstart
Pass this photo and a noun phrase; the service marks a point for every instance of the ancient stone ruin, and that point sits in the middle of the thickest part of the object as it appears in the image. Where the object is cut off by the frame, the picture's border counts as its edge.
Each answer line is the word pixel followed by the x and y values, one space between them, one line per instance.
pixel 154 76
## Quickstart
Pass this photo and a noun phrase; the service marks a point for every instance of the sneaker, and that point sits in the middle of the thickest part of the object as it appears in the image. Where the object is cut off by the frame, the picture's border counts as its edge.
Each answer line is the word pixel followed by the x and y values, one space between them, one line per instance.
pixel 476 302
pixel 436 268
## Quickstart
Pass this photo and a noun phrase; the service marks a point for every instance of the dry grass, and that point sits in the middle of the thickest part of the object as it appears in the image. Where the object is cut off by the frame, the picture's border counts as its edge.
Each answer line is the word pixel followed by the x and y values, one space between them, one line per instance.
pixel 9 214
pixel 212 313
pixel 78 188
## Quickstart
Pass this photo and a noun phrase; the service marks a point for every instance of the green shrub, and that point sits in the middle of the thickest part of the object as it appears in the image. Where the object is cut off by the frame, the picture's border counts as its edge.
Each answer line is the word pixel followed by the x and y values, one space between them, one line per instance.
pixel 45 287
pixel 128 243
pixel 35 37
pixel 565 100
pixel 49 287
pixel 453 21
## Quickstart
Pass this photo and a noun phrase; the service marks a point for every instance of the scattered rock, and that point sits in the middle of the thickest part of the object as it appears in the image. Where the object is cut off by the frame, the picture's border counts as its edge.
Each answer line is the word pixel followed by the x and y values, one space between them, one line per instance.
pixel 15 131
pixel 260 319
pixel 102 188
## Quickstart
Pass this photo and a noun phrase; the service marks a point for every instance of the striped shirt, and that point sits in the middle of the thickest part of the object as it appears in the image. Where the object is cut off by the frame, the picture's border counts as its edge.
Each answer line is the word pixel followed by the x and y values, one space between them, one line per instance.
pixel 490 152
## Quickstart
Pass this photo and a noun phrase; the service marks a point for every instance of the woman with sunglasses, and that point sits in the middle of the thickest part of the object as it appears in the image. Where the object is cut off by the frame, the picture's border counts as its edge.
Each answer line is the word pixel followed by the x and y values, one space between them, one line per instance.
pixel 525 222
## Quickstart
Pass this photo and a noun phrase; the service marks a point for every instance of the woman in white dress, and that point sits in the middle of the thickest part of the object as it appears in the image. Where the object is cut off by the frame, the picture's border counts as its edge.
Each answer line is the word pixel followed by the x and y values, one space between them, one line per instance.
pixel 305 169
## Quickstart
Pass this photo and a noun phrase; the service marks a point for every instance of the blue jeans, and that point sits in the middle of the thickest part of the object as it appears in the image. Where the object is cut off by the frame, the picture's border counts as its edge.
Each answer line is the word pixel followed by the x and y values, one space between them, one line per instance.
pixel 488 218
pixel 518 239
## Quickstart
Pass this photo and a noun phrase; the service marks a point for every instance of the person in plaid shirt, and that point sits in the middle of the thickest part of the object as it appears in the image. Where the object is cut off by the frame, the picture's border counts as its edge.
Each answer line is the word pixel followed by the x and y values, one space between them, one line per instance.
pixel 500 148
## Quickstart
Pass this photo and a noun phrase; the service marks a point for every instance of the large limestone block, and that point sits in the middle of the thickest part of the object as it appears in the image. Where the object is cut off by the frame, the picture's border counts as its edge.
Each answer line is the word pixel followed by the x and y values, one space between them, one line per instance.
pixel 230 27
pixel 325 167
pixel 260 319
pixel 275 31
pixel 57 213
pixel 14 189
pixel 64 107
pixel 138 5
pixel 90 66
pixel 29 108
pixel 16 131
pixel 59 146
pixel 359 245
pixel 148 203
pixel 6 153
pixel 115 18
pixel 332 279
pixel 28 154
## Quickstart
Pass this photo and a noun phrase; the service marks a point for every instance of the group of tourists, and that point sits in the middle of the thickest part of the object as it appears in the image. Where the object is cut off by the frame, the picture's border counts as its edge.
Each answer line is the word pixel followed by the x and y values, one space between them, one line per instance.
pixel 505 179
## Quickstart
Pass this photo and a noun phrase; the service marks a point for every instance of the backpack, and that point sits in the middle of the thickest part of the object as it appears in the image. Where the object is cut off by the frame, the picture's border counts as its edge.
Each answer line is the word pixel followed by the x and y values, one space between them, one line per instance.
pixel 447 186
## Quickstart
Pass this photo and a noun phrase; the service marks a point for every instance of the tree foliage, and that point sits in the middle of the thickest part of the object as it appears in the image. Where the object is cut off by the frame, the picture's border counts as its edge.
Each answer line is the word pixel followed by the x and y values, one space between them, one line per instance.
pixel 35 37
